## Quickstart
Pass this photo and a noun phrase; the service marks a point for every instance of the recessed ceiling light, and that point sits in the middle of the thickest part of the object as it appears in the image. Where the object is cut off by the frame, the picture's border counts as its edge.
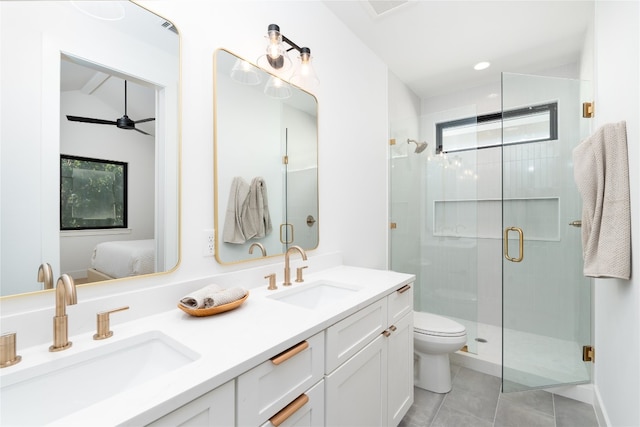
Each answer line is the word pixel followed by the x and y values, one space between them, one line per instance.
pixel 481 65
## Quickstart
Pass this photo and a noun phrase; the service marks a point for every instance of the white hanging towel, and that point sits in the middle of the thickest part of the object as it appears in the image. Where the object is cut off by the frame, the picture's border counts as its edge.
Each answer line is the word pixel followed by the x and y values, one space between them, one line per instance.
pixel 601 172
pixel 232 231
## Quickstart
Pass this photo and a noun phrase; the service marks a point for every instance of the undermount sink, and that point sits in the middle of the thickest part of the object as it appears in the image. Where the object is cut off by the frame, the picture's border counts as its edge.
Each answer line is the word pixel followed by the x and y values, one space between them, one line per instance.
pixel 44 393
pixel 314 295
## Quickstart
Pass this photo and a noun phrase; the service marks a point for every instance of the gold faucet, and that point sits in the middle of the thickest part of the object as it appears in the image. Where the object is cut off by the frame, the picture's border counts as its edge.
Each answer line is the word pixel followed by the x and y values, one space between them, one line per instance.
pixel 45 275
pixel 65 294
pixel 259 245
pixel 287 271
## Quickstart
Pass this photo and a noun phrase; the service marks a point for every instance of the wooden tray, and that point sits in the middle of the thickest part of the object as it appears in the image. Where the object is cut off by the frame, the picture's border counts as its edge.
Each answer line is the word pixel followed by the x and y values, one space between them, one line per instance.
pixel 202 312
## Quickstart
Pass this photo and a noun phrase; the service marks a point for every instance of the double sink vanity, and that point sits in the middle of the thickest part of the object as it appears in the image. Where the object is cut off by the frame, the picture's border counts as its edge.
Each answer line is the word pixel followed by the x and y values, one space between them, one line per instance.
pixel 336 349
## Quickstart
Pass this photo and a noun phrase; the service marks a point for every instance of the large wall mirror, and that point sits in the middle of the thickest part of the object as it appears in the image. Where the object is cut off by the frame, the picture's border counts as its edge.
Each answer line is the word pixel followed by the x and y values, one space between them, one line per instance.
pixel 71 71
pixel 265 163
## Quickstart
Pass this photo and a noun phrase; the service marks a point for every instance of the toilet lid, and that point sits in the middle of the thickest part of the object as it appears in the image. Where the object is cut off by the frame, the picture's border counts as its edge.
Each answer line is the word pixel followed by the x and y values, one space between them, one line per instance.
pixel 432 324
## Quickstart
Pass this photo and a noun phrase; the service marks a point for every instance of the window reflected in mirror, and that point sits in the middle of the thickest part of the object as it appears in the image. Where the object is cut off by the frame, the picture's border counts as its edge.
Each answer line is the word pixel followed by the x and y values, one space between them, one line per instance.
pixel 93 194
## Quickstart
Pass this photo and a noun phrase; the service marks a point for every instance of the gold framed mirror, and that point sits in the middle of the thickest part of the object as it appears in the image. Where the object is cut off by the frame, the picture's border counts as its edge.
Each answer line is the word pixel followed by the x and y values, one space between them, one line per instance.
pixel 265 161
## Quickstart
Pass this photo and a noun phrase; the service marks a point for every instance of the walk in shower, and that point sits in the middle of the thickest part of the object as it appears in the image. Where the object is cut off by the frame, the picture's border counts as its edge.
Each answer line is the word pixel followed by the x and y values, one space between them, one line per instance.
pixel 485 217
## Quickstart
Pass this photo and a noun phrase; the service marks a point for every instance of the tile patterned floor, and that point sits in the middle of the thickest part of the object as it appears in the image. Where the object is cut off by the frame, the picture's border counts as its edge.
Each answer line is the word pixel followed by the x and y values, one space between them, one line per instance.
pixel 476 401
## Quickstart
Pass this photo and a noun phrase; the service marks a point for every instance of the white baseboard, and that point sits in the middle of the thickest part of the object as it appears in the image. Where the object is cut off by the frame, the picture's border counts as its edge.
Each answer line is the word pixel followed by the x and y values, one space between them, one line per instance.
pixel 601 413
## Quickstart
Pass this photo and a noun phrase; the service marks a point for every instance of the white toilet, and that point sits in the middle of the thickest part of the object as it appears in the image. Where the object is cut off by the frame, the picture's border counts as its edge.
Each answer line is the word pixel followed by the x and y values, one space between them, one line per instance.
pixel 434 337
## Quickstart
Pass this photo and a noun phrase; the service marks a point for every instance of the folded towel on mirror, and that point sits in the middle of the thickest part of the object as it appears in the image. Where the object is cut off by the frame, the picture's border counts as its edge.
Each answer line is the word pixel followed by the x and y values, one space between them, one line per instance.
pixel 224 296
pixel 196 299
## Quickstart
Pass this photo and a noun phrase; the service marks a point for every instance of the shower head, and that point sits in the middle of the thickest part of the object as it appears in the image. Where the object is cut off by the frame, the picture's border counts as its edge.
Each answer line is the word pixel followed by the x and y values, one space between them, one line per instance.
pixel 420 146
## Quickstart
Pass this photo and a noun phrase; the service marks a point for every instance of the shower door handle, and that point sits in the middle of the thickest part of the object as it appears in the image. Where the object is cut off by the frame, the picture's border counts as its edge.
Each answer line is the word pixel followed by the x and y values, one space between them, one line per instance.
pixel 520 244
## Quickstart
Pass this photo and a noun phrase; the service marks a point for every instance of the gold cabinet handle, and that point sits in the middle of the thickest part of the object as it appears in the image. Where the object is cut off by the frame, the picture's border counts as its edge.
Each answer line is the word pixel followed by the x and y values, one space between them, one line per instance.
pixel 289 410
pixel 393 328
pixel 404 289
pixel 520 244
pixel 289 353
pixel 386 333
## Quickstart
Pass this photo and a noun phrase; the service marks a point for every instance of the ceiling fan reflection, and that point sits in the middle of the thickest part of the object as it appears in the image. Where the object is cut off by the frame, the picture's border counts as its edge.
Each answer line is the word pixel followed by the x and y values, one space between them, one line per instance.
pixel 123 122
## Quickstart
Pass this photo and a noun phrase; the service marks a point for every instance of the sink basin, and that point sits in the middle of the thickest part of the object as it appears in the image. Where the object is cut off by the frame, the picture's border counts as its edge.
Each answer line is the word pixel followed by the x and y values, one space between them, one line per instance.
pixel 44 393
pixel 314 295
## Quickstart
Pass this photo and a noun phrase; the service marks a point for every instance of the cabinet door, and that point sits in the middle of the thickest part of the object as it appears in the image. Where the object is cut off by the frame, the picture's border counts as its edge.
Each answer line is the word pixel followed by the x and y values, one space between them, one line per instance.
pixel 356 392
pixel 400 369
pixel 215 408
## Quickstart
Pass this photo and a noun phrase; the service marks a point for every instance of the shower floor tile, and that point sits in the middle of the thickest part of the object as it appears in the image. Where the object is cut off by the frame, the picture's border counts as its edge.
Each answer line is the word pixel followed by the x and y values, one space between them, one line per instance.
pixel 476 400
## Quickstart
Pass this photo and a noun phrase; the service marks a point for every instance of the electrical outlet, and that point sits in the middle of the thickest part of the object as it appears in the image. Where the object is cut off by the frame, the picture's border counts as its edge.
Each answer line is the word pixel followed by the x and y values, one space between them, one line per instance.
pixel 209 244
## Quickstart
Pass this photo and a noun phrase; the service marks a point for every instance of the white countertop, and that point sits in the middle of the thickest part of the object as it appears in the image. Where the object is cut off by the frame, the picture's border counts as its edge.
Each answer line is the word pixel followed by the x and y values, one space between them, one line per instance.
pixel 228 344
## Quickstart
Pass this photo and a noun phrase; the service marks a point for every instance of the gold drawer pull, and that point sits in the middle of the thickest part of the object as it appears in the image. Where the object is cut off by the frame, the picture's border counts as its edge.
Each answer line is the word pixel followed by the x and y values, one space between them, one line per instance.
pixel 393 328
pixel 289 353
pixel 289 410
pixel 404 289
pixel 386 333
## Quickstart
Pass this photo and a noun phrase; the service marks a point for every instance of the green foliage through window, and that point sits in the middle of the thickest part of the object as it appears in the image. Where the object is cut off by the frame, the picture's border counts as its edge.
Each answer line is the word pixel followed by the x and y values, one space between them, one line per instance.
pixel 93 193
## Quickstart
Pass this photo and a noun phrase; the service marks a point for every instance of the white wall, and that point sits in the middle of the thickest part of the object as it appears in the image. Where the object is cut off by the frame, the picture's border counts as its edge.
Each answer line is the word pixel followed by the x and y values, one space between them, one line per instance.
pixel 617 302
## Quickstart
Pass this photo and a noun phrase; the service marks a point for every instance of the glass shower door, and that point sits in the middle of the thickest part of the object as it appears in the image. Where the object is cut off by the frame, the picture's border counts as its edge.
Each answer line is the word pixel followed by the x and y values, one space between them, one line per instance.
pixel 546 298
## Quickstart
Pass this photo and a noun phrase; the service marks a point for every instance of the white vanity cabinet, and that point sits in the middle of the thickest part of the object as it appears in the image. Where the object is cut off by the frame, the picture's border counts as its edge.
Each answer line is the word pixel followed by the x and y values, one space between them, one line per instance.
pixel 275 384
pixel 369 369
pixel 213 409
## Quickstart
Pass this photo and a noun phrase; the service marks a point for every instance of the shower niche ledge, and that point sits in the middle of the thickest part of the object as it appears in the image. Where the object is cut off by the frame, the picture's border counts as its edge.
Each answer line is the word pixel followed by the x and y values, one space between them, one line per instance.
pixel 482 218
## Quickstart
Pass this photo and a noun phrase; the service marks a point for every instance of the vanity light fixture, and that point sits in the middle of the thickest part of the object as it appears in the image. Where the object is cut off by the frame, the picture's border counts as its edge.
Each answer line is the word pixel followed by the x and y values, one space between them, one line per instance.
pixel 305 75
pixel 276 58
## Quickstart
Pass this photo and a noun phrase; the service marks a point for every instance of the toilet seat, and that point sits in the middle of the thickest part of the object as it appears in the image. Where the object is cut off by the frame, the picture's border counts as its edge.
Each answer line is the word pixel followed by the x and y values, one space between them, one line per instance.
pixel 434 325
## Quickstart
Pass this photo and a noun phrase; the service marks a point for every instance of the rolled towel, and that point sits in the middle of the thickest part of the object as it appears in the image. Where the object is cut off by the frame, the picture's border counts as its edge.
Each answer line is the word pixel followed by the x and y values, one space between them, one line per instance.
pixel 224 296
pixel 196 299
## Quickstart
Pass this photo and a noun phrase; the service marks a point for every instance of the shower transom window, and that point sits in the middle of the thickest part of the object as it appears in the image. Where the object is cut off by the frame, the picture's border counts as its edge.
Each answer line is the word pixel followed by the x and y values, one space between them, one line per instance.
pixel 519 126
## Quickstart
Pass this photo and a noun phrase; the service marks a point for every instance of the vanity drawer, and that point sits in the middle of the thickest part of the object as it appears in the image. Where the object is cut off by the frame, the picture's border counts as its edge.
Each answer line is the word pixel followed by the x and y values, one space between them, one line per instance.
pixel 272 385
pixel 347 337
pixel 400 303
pixel 306 410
